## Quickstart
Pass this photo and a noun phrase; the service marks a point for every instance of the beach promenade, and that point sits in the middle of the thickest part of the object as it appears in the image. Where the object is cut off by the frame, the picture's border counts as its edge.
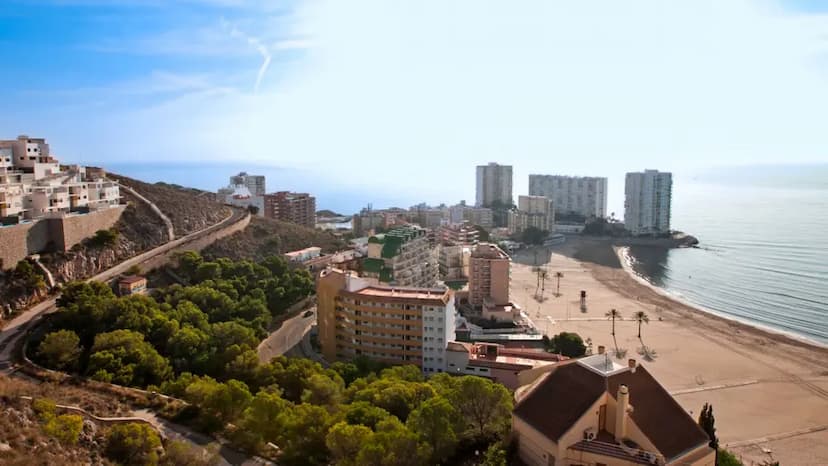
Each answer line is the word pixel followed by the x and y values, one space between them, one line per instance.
pixel 769 392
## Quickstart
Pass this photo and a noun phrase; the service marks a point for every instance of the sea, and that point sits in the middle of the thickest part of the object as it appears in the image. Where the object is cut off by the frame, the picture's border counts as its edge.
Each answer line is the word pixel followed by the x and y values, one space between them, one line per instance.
pixel 763 232
pixel 763 252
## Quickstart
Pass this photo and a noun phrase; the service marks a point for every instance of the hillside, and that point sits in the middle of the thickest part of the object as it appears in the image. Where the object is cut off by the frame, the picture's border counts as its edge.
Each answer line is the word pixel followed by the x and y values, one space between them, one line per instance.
pixel 266 237
pixel 189 209
pixel 138 230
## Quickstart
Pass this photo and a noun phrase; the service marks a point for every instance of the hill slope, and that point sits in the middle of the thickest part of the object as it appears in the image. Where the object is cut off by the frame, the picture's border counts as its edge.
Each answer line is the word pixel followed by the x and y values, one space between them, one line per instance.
pixel 266 237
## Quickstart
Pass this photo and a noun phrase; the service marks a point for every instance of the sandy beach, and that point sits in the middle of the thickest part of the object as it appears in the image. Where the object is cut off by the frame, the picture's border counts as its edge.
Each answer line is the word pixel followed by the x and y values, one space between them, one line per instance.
pixel 769 391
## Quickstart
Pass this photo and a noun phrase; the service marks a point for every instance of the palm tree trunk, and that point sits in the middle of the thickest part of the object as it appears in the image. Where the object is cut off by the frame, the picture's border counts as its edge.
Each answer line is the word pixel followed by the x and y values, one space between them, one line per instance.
pixel 639 329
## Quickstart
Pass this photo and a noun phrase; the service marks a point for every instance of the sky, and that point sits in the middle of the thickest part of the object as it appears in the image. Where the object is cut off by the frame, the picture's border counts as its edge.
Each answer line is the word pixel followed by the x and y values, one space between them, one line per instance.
pixel 399 100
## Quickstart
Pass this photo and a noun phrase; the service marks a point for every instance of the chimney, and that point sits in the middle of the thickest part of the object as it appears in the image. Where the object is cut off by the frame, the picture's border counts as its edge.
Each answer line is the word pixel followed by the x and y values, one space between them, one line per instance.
pixel 632 365
pixel 621 405
pixel 601 349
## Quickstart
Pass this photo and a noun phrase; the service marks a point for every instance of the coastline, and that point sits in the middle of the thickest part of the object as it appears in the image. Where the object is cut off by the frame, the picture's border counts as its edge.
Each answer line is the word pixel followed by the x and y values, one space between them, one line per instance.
pixel 769 390
pixel 622 252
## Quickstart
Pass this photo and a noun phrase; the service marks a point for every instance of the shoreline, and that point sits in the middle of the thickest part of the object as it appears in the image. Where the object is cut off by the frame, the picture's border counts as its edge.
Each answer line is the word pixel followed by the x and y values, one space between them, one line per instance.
pixel 622 252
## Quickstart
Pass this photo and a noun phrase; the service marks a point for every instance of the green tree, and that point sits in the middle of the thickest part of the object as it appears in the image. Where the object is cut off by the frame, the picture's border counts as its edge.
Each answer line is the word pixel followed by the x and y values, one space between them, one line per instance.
pixel 568 344
pixel 60 350
pixel 642 318
pixel 123 357
pixel 323 390
pixel 364 413
pixel 393 445
pixel 484 406
pixel 260 421
pixel 133 444
pixel 302 436
pixel 726 458
pixel 345 441
pixel 495 456
pixel 65 428
pixel 177 453
pixel 435 423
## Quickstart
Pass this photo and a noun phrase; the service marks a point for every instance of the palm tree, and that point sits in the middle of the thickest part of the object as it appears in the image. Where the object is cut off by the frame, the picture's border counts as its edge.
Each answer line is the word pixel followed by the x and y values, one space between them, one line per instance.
pixel 559 276
pixel 612 315
pixel 642 318
pixel 543 275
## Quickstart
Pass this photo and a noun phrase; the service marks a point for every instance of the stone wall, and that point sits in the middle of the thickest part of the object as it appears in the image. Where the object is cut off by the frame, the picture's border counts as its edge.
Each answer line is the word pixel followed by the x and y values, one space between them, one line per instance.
pixel 52 234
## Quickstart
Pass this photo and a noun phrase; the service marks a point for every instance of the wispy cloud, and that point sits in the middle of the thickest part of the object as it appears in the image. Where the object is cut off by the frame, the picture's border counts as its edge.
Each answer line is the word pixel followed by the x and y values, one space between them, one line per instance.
pixel 257 45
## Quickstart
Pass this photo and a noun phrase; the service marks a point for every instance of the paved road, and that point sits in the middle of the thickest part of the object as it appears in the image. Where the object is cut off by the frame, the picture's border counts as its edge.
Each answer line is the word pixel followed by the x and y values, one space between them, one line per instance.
pixel 287 336
pixel 17 327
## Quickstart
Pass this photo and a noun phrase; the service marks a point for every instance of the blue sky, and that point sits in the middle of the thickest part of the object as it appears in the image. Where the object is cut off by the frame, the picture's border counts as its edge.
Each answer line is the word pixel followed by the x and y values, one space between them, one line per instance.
pixel 405 97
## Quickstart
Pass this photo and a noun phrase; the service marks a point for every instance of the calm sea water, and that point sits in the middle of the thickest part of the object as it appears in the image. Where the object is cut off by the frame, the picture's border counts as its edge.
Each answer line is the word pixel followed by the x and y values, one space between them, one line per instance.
pixel 763 256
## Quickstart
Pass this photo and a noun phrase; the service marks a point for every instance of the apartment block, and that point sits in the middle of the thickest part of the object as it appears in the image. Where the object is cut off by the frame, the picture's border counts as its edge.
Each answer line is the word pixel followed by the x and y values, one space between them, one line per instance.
pixel 490 274
pixel 454 262
pixel 297 208
pixel 579 195
pixel 33 184
pixel 462 233
pixel 494 185
pixel 532 211
pixel 647 201
pixel 481 216
pixel 256 184
pixel 394 325
pixel 401 257
pixel 46 206
pixel 512 367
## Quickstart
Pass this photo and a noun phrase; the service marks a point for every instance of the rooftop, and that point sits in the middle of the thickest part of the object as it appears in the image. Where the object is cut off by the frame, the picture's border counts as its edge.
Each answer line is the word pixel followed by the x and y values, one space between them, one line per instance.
pixel 489 251
pixel 403 292
pixel 131 279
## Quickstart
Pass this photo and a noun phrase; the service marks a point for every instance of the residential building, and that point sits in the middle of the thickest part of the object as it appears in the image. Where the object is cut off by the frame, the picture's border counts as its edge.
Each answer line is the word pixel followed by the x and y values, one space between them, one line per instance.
pixel 596 411
pixel 401 257
pixel 132 284
pixel 494 185
pixel 254 183
pixel 489 279
pixel 480 216
pixel 34 185
pixel 647 202
pixel 299 208
pixel 512 367
pixel 532 211
pixel 579 195
pixel 462 233
pixel 454 262
pixel 395 325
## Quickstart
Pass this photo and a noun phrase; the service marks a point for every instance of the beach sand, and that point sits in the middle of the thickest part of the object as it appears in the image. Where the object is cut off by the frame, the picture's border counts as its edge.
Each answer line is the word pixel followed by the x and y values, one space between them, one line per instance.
pixel 769 392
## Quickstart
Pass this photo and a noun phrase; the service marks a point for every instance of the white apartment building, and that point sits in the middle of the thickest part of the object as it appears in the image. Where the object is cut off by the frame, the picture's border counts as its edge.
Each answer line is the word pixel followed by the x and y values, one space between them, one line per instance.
pixel 585 196
pixel 647 202
pixel 532 211
pixel 33 184
pixel 254 183
pixel 494 184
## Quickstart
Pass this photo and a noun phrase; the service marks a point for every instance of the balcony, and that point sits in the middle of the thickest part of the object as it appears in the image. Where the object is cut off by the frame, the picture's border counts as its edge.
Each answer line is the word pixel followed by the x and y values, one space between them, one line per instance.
pixel 605 445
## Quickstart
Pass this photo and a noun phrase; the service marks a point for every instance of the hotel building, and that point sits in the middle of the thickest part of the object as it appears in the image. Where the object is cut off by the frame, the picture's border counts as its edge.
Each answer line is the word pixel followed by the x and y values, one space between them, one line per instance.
pixel 532 211
pixel 647 202
pixel 585 196
pixel 489 280
pixel 494 185
pixel 387 324
pixel 401 257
